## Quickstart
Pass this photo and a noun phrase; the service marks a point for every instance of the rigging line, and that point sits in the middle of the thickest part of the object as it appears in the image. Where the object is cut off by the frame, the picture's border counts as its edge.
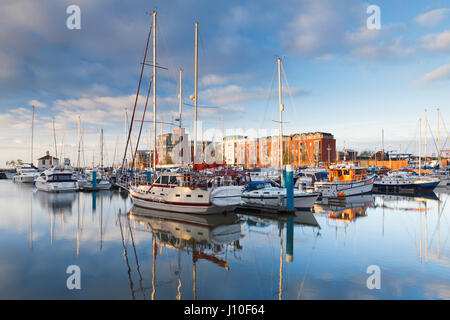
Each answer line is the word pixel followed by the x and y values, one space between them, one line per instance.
pixel 307 268
pixel 269 99
pixel 202 47
pixel 135 255
pixel 435 229
pixel 142 122
pixel 288 88
pixel 137 96
pixel 171 78
pixel 126 259
pixel 435 144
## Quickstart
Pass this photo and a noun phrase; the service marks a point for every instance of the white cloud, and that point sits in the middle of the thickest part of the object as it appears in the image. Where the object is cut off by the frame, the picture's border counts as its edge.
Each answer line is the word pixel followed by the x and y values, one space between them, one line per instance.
pixel 37 104
pixel 437 42
pixel 432 18
pixel 441 73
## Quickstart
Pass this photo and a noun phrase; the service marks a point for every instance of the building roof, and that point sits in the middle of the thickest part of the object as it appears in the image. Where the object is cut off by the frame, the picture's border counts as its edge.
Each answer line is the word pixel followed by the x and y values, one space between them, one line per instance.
pixel 48 157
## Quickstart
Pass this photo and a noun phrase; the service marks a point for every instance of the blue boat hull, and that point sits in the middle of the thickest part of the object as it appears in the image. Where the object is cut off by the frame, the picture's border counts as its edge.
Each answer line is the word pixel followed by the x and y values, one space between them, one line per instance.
pixel 419 187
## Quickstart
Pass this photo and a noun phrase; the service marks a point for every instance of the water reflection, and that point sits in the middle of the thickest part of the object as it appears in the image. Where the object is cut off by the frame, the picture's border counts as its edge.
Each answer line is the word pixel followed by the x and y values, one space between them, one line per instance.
pixel 205 237
pixel 127 252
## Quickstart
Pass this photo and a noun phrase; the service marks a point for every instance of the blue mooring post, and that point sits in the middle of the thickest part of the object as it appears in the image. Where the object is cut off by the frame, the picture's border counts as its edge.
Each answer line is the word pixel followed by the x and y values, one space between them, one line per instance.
pixel 149 176
pixel 373 170
pixel 289 185
pixel 290 240
pixel 94 179
pixel 94 201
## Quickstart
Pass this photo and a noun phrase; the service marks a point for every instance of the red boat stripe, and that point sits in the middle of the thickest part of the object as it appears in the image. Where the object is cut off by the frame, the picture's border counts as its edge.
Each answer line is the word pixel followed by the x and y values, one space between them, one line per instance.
pixel 175 203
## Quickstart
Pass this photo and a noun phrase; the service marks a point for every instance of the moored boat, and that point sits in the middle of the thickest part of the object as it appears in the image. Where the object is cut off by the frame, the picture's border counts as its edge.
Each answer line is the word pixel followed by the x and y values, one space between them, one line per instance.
pixel 26 174
pixel 401 181
pixel 56 180
pixel 345 180
pixel 269 195
pixel 187 192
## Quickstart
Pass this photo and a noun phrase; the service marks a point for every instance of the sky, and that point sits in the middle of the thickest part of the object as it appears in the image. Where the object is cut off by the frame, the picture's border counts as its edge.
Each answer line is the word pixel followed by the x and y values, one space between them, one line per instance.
pixel 338 75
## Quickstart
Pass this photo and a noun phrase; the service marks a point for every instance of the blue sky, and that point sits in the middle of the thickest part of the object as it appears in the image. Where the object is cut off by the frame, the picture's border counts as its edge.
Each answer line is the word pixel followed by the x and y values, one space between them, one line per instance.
pixel 341 77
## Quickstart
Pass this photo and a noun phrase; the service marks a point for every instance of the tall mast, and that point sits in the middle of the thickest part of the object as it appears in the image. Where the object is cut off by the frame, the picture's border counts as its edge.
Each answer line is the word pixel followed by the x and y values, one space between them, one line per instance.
pixel 79 143
pixel 426 135
pixel 154 91
pixel 420 146
pixel 180 101
pixel 101 148
pixel 438 135
pixel 281 114
pixel 54 139
pixel 32 133
pixel 195 92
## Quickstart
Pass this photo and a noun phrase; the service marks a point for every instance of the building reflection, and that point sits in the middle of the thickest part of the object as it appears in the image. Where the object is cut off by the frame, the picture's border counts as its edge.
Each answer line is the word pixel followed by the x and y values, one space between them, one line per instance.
pixel 203 237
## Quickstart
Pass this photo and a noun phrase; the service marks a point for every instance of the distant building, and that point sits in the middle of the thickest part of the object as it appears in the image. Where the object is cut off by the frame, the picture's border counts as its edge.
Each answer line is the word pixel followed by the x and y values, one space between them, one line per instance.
pixel 47 161
pixel 348 155
pixel 310 149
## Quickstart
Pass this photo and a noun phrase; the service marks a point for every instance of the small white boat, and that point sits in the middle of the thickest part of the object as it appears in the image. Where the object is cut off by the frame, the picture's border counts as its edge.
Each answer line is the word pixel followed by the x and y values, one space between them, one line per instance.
pixel 26 175
pixel 86 183
pixel 56 180
pixel 269 195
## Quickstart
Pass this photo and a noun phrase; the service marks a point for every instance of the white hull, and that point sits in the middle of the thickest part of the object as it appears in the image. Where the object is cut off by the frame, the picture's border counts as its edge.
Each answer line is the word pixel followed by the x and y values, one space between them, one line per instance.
pixel 24 178
pixel 304 201
pixel 103 185
pixel 183 199
pixel 343 189
pixel 56 186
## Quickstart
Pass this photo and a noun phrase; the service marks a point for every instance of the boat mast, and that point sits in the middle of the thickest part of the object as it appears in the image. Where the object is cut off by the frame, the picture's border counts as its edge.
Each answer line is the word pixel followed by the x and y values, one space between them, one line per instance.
pixel 438 135
pixel 101 148
pixel 154 92
pixel 195 92
pixel 180 101
pixel 54 138
pixel 420 146
pixel 426 135
pixel 79 143
pixel 281 114
pixel 32 133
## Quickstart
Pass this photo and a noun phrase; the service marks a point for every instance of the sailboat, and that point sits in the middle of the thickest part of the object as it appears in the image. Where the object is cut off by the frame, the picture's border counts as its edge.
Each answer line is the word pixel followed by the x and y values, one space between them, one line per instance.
pixel 268 194
pixel 189 190
pixel 27 174
pixel 87 182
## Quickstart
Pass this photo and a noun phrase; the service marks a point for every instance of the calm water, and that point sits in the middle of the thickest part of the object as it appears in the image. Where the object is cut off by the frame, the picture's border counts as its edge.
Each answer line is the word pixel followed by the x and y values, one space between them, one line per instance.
pixel 145 255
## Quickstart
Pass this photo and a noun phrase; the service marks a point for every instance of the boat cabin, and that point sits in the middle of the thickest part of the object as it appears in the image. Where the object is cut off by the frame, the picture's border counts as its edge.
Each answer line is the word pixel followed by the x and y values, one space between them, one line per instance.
pixel 348 174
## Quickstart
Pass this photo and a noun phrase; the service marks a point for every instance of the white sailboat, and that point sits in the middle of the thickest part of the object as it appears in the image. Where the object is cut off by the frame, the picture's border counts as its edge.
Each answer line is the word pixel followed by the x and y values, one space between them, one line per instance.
pixel 27 174
pixel 187 191
pixel 270 195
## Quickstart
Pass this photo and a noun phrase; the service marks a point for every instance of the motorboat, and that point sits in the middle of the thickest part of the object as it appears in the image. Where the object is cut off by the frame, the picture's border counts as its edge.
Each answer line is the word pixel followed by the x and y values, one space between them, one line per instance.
pixel 270 195
pixel 345 180
pixel 56 179
pixel 307 177
pixel 26 174
pixel 400 181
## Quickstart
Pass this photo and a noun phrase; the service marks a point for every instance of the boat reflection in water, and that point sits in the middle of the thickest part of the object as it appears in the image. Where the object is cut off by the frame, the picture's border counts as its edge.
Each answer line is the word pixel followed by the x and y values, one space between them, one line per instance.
pixel 55 202
pixel 298 219
pixel 347 209
pixel 205 237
